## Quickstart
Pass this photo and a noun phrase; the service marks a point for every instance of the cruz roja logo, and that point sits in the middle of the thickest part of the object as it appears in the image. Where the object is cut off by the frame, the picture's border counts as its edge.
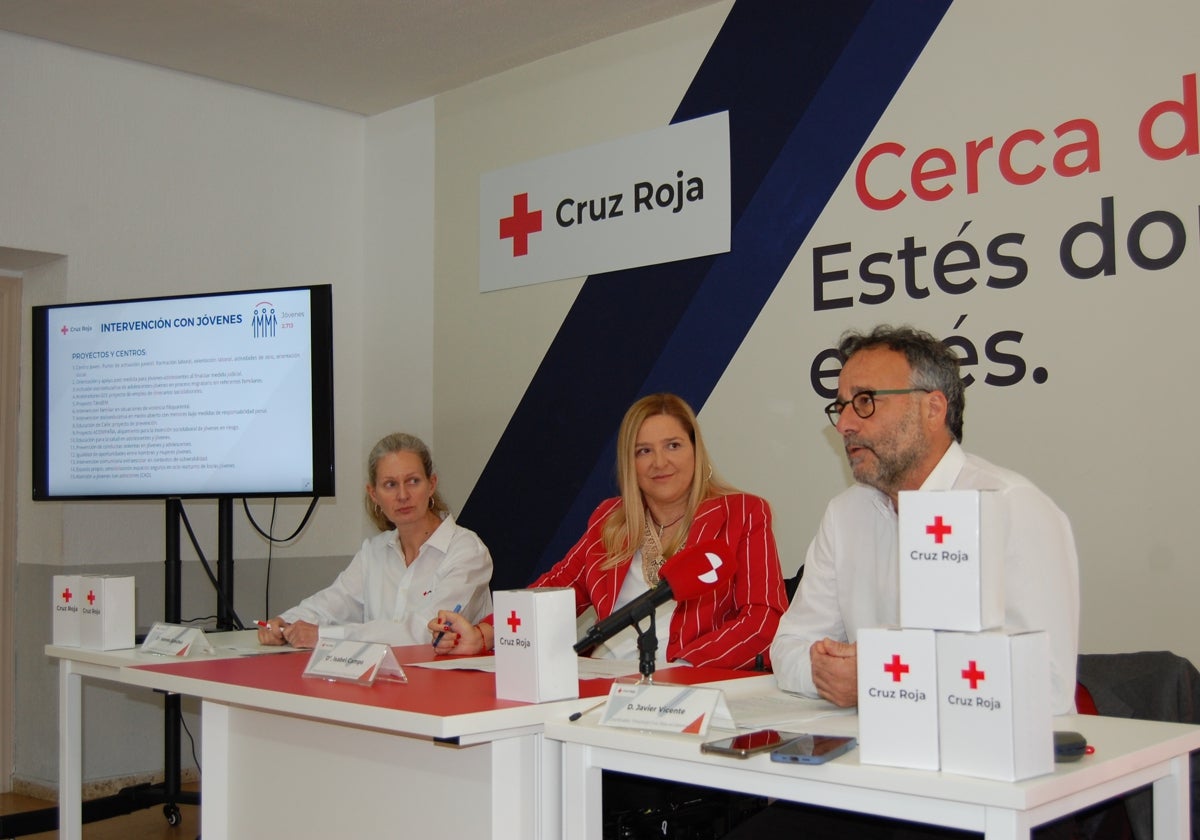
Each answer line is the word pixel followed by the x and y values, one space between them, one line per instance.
pixel 520 224
pixel 574 212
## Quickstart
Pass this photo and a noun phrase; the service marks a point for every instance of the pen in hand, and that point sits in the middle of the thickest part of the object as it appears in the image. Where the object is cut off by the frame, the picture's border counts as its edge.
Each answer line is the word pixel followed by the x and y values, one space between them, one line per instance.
pixel 264 625
pixel 445 627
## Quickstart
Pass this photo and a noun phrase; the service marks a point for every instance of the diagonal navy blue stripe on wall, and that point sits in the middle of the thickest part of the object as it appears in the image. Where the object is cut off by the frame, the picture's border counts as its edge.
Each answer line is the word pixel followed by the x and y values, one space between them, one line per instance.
pixel 804 83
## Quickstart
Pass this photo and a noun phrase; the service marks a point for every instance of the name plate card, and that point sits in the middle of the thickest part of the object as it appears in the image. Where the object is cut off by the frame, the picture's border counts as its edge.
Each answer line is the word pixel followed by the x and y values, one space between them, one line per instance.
pixel 175 640
pixel 345 660
pixel 661 707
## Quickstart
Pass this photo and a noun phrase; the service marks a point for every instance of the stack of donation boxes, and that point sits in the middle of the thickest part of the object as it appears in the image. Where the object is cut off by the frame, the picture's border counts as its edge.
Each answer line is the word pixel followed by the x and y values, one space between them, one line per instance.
pixel 93 611
pixel 951 688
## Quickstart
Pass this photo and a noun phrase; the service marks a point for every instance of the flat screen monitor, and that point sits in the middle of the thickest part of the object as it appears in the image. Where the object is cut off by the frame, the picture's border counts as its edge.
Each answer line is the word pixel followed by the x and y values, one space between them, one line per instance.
pixel 205 395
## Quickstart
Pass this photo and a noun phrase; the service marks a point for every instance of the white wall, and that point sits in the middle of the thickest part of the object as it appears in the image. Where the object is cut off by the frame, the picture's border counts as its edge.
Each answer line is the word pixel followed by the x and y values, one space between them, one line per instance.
pixel 1106 434
pixel 396 315
pixel 153 182
pixel 487 346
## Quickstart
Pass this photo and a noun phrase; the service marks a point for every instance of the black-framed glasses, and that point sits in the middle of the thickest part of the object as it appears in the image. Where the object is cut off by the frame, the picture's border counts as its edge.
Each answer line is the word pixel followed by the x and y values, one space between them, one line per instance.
pixel 863 402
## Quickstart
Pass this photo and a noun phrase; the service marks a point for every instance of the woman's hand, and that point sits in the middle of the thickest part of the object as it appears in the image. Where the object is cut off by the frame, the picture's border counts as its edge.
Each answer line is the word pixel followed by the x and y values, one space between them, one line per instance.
pixel 458 636
pixel 300 634
pixel 272 634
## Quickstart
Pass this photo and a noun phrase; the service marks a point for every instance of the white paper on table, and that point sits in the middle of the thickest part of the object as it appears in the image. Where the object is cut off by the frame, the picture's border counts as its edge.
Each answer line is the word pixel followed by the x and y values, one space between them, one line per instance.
pixel 589 669
pixel 778 709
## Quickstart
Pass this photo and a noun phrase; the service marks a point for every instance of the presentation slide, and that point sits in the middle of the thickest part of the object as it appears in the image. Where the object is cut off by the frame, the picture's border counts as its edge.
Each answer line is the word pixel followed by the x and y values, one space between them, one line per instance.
pixel 181 396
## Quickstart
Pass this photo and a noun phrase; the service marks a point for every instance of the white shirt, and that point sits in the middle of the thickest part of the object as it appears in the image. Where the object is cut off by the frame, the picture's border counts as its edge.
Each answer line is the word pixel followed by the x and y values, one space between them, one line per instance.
pixel 377 598
pixel 851 572
pixel 624 645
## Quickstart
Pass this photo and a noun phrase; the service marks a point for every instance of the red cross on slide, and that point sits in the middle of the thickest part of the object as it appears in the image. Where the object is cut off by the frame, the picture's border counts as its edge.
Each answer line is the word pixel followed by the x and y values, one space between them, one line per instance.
pixel 939 529
pixel 895 668
pixel 973 674
pixel 91 597
pixel 66 595
pixel 520 224
pixel 513 621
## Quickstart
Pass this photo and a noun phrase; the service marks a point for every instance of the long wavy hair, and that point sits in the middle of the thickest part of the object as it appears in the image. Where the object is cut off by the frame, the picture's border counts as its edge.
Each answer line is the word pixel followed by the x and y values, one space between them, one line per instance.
pixel 399 442
pixel 625 527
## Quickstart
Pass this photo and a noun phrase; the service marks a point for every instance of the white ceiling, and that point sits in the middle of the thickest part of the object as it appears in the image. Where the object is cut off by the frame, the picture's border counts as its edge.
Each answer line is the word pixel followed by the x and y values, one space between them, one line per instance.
pixel 365 56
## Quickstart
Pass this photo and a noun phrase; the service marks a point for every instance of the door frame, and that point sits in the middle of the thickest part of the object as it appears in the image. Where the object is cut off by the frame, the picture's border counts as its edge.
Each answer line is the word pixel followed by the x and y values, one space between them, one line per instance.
pixel 10 373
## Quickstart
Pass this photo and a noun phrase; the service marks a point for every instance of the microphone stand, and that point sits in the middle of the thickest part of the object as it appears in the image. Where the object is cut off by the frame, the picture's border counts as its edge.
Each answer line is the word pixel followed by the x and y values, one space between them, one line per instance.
pixel 647 643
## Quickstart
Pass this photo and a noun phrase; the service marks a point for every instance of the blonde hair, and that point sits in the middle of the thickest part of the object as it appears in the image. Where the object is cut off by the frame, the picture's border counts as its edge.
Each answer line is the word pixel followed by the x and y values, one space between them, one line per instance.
pixel 399 442
pixel 625 527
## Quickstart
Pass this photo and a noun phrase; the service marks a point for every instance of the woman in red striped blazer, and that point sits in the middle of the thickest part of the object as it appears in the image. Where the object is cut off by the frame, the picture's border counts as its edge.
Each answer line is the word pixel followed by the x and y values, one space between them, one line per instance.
pixel 670 498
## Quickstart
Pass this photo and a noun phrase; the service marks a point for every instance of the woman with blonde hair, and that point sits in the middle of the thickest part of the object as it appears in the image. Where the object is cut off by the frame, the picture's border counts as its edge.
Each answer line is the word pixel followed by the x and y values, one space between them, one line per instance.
pixel 420 562
pixel 671 497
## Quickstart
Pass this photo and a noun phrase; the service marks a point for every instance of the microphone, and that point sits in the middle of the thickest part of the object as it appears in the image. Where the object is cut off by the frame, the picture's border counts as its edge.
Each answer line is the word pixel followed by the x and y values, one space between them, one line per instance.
pixel 693 572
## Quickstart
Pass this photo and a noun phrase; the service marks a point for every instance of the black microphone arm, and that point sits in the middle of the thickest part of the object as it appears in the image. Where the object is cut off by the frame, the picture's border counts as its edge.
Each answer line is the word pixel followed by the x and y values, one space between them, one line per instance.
pixel 639 609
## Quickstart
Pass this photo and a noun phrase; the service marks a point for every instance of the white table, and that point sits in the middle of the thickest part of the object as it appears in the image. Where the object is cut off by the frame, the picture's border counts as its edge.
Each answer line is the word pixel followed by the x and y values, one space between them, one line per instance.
pixel 75 664
pixel 286 756
pixel 1128 754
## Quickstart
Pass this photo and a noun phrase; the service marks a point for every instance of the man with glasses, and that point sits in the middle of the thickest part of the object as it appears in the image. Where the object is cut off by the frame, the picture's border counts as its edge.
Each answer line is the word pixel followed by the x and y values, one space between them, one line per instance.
pixel 899 413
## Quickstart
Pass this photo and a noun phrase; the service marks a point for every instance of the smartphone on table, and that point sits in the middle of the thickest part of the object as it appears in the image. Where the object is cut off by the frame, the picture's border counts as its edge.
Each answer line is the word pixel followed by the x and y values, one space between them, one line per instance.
pixel 749 743
pixel 813 749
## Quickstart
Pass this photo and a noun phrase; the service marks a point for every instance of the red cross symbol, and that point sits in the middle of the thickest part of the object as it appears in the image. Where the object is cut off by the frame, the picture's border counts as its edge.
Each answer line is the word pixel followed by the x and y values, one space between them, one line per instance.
pixel 896 668
pixel 973 674
pixel 91 597
pixel 513 621
pixel 64 330
pixel 520 224
pixel 66 595
pixel 939 529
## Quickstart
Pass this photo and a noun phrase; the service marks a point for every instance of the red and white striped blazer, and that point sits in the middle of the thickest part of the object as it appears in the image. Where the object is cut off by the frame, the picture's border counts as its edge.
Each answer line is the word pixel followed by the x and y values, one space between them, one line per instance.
pixel 728 628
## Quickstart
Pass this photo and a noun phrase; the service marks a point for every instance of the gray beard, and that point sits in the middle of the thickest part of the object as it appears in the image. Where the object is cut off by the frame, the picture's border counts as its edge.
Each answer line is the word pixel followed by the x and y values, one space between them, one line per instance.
pixel 889 472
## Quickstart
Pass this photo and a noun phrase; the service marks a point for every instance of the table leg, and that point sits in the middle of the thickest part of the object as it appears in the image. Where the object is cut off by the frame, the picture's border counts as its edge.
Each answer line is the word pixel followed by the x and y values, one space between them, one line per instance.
pixel 582 816
pixel 70 752
pixel 214 753
pixel 1172 817
pixel 524 804
pixel 550 814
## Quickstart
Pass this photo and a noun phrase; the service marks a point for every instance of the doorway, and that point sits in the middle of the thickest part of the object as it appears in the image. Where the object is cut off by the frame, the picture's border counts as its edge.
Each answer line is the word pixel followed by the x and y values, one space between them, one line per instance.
pixel 10 372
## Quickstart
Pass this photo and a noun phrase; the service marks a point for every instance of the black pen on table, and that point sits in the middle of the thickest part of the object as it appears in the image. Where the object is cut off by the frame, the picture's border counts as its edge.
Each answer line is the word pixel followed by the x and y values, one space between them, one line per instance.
pixel 446 626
